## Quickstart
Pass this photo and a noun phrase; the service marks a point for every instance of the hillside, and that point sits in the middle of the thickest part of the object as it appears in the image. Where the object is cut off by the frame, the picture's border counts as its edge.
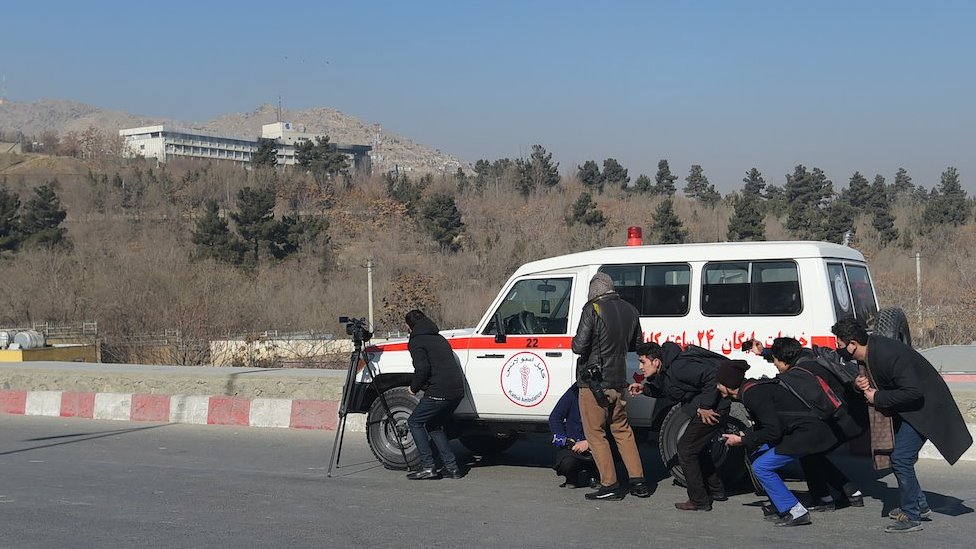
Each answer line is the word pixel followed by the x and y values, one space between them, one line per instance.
pixel 390 149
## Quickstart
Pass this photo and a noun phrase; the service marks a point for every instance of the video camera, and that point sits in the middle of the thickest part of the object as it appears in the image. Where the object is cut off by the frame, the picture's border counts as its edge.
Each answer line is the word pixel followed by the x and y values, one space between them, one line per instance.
pixel 358 328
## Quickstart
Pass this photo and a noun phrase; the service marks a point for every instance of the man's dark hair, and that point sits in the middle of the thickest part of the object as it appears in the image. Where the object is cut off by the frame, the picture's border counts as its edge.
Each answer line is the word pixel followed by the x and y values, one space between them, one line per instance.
pixel 786 349
pixel 851 329
pixel 650 349
pixel 413 317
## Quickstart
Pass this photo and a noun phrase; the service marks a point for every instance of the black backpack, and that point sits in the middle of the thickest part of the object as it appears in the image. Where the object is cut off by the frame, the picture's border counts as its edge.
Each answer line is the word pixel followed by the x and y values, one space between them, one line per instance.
pixel 846 372
pixel 813 392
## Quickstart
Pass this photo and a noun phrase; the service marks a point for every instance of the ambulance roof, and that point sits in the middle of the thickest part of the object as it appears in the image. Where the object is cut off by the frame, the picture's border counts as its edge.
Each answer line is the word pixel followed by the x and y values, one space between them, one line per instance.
pixel 682 253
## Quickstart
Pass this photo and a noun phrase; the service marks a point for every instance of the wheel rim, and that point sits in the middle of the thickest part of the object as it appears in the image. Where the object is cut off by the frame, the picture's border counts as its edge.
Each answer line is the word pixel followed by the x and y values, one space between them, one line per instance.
pixel 390 428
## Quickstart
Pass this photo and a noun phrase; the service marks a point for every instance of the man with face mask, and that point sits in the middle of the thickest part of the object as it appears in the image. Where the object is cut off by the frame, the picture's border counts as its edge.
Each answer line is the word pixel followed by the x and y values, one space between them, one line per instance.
pixel 903 384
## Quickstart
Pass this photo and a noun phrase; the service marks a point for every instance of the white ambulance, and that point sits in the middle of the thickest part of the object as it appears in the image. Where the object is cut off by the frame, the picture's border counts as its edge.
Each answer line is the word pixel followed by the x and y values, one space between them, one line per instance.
pixel 518 360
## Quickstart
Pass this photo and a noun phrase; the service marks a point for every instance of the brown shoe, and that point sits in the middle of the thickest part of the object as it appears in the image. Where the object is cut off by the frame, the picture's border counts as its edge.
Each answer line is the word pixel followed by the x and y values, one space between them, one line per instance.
pixel 692 506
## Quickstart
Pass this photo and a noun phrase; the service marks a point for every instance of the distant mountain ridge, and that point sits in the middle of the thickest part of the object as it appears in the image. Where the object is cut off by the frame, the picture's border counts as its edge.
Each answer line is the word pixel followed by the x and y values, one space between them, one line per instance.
pixel 390 149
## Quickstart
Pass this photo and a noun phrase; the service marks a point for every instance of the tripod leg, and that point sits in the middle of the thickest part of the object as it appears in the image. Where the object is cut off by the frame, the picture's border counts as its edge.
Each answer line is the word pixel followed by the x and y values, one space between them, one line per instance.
pixel 337 445
pixel 386 409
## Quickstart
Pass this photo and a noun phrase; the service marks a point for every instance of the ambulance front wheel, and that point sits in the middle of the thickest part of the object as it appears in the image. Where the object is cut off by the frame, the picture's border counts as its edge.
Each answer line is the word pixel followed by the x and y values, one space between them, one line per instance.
pixel 388 433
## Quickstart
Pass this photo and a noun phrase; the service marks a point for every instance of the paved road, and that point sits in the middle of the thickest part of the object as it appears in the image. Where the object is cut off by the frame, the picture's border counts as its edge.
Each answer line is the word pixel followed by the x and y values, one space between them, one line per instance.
pixel 84 483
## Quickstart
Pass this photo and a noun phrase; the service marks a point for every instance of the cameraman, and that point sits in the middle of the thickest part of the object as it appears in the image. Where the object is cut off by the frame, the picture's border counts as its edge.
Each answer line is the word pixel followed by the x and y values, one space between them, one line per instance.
pixel 573 458
pixel 438 374
pixel 609 327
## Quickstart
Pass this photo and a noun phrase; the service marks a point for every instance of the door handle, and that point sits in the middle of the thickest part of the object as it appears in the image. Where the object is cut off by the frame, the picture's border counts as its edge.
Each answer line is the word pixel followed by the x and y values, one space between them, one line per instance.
pixel 553 354
pixel 491 356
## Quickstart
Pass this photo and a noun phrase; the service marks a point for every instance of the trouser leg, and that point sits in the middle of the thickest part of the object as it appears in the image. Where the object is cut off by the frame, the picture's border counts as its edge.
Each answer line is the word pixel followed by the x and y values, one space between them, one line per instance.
pixel 594 420
pixel 765 468
pixel 908 442
pixel 623 435
pixel 426 409
pixel 693 455
pixel 435 427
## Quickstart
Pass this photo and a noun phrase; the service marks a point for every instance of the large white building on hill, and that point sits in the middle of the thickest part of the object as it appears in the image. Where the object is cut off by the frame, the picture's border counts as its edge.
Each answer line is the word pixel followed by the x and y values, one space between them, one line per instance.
pixel 163 143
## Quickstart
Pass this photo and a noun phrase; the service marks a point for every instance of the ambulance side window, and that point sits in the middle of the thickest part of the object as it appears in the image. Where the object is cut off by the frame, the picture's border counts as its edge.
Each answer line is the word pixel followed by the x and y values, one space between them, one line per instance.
pixel 657 289
pixel 534 306
pixel 758 288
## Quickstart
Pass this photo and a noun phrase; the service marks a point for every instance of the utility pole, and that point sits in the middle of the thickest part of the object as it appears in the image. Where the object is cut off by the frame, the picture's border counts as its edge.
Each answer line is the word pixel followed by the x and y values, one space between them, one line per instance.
pixel 369 290
pixel 918 286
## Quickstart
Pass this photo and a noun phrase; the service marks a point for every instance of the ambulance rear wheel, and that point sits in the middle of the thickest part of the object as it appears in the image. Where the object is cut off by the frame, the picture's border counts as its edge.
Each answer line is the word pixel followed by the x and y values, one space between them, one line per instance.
pixel 387 434
pixel 729 461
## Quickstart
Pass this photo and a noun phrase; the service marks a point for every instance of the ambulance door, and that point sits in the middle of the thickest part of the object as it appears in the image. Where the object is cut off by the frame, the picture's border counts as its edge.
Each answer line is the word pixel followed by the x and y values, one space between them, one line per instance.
pixel 521 361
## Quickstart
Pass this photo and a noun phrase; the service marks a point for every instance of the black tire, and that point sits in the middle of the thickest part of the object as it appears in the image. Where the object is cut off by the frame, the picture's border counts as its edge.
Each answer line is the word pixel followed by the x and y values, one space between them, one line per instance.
pixel 386 436
pixel 729 462
pixel 486 444
pixel 892 323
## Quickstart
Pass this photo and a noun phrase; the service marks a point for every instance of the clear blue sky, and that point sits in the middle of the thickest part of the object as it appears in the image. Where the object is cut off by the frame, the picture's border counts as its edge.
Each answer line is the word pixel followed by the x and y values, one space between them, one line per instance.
pixel 841 85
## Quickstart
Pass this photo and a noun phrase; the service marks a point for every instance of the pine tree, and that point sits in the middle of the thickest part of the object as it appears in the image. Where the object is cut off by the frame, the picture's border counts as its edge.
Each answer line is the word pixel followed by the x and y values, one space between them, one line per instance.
pixel 10 229
pixel 881 195
pixel 255 218
pixel 399 187
pixel 615 174
pixel 321 158
pixel 948 204
pixel 667 227
pixel 884 223
pixel 754 183
pixel 442 220
pixel 807 194
pixel 698 187
pixel 42 218
pixel 267 154
pixel 589 175
pixel 858 191
pixel 664 179
pixel 838 220
pixel 538 172
pixel 213 238
pixel 585 211
pixel 903 183
pixel 747 222
pixel 642 185
pixel 460 181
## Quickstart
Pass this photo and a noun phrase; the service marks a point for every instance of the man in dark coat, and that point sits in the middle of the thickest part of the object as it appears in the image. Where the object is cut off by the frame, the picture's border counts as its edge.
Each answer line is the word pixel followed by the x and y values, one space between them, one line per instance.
pixel 784 430
pixel 687 378
pixel 609 328
pixel 909 389
pixel 573 458
pixel 438 374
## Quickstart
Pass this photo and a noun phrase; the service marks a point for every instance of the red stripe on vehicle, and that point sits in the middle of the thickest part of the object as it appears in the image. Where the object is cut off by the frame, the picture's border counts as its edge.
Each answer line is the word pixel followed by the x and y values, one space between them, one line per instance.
pixel 829 342
pixel 488 342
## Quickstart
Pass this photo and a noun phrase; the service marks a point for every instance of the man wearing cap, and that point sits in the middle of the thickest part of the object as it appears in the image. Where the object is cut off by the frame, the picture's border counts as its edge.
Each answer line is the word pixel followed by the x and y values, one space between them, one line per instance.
pixel 783 432
pixel 609 328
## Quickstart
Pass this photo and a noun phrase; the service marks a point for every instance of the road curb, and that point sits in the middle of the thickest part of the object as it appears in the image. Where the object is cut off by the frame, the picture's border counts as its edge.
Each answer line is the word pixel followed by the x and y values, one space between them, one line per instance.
pixel 192 409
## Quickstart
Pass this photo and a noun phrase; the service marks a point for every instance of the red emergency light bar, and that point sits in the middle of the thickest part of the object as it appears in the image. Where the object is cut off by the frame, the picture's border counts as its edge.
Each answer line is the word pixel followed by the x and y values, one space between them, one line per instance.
pixel 635 236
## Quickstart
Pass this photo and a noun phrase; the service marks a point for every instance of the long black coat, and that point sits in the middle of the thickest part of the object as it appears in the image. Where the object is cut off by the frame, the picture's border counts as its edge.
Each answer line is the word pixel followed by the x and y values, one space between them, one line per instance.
pixel 910 386
pixel 435 369
pixel 688 377
pixel 783 422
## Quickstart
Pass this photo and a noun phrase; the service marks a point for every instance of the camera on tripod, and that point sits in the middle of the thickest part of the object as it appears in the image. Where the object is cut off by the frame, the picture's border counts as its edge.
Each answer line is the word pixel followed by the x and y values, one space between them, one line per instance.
pixel 358 328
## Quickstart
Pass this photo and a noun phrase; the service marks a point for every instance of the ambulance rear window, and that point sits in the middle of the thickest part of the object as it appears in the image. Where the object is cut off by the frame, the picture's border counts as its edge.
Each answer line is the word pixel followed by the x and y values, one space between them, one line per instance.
pixel 753 288
pixel 658 289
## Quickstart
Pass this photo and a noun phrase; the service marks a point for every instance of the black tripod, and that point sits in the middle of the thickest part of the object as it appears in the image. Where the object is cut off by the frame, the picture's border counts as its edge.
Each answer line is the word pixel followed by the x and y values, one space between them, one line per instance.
pixel 360 335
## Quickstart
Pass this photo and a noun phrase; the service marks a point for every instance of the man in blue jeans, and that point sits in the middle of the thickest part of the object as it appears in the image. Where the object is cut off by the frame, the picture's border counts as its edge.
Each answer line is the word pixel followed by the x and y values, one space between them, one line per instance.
pixel 905 386
pixel 438 374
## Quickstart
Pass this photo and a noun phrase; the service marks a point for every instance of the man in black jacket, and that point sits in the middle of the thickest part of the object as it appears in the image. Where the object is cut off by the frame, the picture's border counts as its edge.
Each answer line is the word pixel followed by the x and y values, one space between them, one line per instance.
pixel 438 374
pixel 784 430
pixel 687 379
pixel 908 388
pixel 609 327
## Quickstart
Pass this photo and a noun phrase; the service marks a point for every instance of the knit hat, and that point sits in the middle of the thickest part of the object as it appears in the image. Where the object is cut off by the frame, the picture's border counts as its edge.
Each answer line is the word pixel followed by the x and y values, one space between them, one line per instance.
pixel 600 284
pixel 731 373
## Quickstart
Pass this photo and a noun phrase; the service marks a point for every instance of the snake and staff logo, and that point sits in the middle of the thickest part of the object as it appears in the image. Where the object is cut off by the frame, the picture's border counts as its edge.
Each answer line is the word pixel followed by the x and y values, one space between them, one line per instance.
pixel 525 379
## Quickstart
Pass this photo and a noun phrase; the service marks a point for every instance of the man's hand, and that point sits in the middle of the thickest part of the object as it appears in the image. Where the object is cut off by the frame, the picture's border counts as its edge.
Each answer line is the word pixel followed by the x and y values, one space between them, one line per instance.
pixel 757 348
pixel 708 417
pixel 635 389
pixel 732 440
pixel 869 395
pixel 862 383
pixel 581 446
pixel 410 390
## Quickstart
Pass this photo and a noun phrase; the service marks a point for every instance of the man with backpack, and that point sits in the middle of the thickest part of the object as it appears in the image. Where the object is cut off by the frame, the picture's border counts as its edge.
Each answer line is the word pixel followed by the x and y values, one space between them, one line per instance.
pixel 786 428
pixel 904 385
pixel 686 378
pixel 821 474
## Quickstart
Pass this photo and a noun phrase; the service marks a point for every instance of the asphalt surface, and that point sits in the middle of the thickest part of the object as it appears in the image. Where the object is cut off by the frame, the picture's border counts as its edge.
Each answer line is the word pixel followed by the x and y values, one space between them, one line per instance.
pixel 85 483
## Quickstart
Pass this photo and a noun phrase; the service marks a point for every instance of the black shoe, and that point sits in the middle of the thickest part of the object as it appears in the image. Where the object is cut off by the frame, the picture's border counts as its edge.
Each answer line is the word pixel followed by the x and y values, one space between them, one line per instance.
pixel 610 493
pixel 770 513
pixel 788 520
pixel 902 526
pixel 719 497
pixel 818 505
pixel 451 473
pixel 855 501
pixel 640 489
pixel 425 474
